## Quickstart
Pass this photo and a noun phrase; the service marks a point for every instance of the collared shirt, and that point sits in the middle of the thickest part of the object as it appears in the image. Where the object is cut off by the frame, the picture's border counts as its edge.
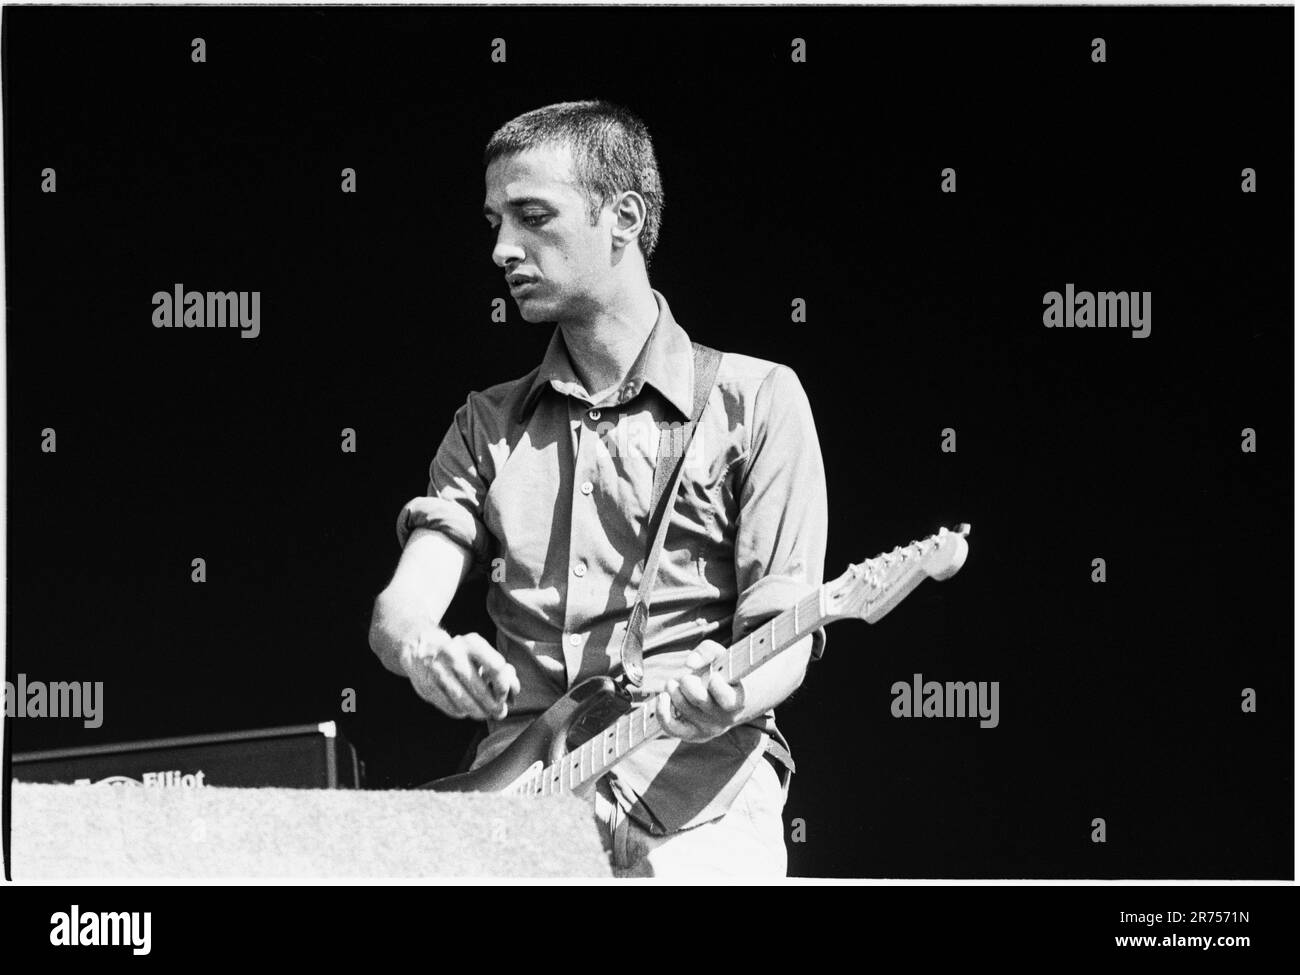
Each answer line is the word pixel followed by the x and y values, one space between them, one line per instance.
pixel 550 491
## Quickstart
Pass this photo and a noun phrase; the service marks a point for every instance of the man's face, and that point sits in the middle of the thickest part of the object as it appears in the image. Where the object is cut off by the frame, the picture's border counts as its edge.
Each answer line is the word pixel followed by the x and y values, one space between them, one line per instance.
pixel 556 262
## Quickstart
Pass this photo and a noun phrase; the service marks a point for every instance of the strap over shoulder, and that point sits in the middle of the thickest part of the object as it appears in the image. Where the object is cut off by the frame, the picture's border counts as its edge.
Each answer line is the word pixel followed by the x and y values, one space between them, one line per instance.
pixel 672 447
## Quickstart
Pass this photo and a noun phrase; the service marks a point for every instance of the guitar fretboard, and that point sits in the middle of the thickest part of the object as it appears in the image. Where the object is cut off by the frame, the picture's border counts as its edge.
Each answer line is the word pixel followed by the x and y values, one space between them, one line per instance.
pixel 641 724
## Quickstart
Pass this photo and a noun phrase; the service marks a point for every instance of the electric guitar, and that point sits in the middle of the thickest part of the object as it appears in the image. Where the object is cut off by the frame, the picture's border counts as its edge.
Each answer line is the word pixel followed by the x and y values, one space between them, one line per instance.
pixel 558 753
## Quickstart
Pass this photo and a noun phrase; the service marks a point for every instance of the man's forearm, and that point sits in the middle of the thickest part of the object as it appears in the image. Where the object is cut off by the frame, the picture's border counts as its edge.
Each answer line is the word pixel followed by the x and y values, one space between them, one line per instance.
pixel 398 616
pixel 431 569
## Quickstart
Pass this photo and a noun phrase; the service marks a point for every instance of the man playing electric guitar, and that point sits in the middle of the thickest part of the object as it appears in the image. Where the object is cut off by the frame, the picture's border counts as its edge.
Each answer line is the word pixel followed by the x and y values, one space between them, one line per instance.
pixel 544 483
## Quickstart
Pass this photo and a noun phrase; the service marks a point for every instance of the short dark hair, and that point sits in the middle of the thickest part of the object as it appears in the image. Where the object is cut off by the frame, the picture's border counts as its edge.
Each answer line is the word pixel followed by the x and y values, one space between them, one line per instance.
pixel 612 153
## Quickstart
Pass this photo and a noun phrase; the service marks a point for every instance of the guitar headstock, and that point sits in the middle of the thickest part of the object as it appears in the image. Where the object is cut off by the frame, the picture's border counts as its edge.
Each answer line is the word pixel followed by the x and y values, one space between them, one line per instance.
pixel 868 590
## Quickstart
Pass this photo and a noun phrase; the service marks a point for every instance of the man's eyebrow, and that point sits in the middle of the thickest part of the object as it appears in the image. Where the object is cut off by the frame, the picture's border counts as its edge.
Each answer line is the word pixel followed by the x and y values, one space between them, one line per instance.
pixel 517 202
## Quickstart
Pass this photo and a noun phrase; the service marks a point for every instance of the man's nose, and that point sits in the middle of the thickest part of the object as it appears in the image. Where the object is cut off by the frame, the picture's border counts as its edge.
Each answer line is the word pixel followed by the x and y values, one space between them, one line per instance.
pixel 506 252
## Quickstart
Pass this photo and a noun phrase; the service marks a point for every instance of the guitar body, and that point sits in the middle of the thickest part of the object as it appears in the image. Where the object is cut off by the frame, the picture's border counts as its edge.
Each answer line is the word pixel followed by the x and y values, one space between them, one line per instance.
pixel 565 725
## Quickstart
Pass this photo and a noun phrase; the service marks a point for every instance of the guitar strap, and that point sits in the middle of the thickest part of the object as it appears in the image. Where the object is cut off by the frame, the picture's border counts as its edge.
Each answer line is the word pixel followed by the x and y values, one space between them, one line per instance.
pixel 672 446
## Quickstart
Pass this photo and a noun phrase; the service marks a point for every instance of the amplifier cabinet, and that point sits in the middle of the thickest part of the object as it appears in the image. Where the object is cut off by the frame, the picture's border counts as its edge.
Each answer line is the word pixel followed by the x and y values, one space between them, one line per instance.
pixel 303 756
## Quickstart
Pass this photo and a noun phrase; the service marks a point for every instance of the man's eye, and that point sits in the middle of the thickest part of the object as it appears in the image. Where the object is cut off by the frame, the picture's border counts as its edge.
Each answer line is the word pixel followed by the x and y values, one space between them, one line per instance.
pixel 536 219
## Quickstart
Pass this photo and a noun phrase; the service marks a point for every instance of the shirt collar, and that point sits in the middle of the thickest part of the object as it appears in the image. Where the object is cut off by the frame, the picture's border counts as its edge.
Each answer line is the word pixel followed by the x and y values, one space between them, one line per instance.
pixel 666 362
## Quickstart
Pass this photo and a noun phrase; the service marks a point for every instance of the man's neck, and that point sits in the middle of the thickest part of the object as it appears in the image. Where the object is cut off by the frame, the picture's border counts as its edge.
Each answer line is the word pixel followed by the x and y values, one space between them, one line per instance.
pixel 604 346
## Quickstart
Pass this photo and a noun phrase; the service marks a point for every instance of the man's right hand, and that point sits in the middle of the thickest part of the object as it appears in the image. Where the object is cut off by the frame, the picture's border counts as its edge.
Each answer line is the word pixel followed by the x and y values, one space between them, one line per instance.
pixel 462 676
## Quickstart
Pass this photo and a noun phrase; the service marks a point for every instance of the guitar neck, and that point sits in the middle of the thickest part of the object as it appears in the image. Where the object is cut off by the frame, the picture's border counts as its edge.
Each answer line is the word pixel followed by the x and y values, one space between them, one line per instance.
pixel 777 634
pixel 599 754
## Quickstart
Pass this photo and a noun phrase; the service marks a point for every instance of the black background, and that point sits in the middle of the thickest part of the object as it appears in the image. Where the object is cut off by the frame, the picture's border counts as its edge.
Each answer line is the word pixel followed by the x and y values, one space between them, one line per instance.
pixel 821 181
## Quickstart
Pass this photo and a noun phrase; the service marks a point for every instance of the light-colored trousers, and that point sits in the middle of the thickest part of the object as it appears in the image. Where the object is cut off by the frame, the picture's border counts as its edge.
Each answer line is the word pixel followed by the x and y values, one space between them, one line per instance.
pixel 747 841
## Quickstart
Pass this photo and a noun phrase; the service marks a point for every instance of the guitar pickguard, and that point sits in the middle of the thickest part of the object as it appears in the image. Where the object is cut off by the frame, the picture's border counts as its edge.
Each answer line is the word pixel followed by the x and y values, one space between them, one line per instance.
pixel 600 702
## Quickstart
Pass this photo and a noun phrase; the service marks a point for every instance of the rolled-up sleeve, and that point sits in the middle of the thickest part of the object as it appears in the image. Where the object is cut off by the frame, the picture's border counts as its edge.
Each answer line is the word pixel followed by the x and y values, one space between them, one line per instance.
pixel 459 477
pixel 782 517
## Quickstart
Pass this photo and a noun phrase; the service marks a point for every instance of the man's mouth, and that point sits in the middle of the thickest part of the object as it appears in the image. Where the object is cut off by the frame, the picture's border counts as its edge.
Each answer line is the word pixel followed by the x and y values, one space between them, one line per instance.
pixel 519 282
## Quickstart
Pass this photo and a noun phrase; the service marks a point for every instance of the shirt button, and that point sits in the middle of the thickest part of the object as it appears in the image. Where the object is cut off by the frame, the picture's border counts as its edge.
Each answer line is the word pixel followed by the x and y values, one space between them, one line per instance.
pixel 594 414
pixel 586 487
pixel 580 570
pixel 574 639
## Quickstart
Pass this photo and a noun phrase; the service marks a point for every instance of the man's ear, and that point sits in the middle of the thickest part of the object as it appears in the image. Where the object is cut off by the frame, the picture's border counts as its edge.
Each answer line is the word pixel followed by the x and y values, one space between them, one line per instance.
pixel 629 217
